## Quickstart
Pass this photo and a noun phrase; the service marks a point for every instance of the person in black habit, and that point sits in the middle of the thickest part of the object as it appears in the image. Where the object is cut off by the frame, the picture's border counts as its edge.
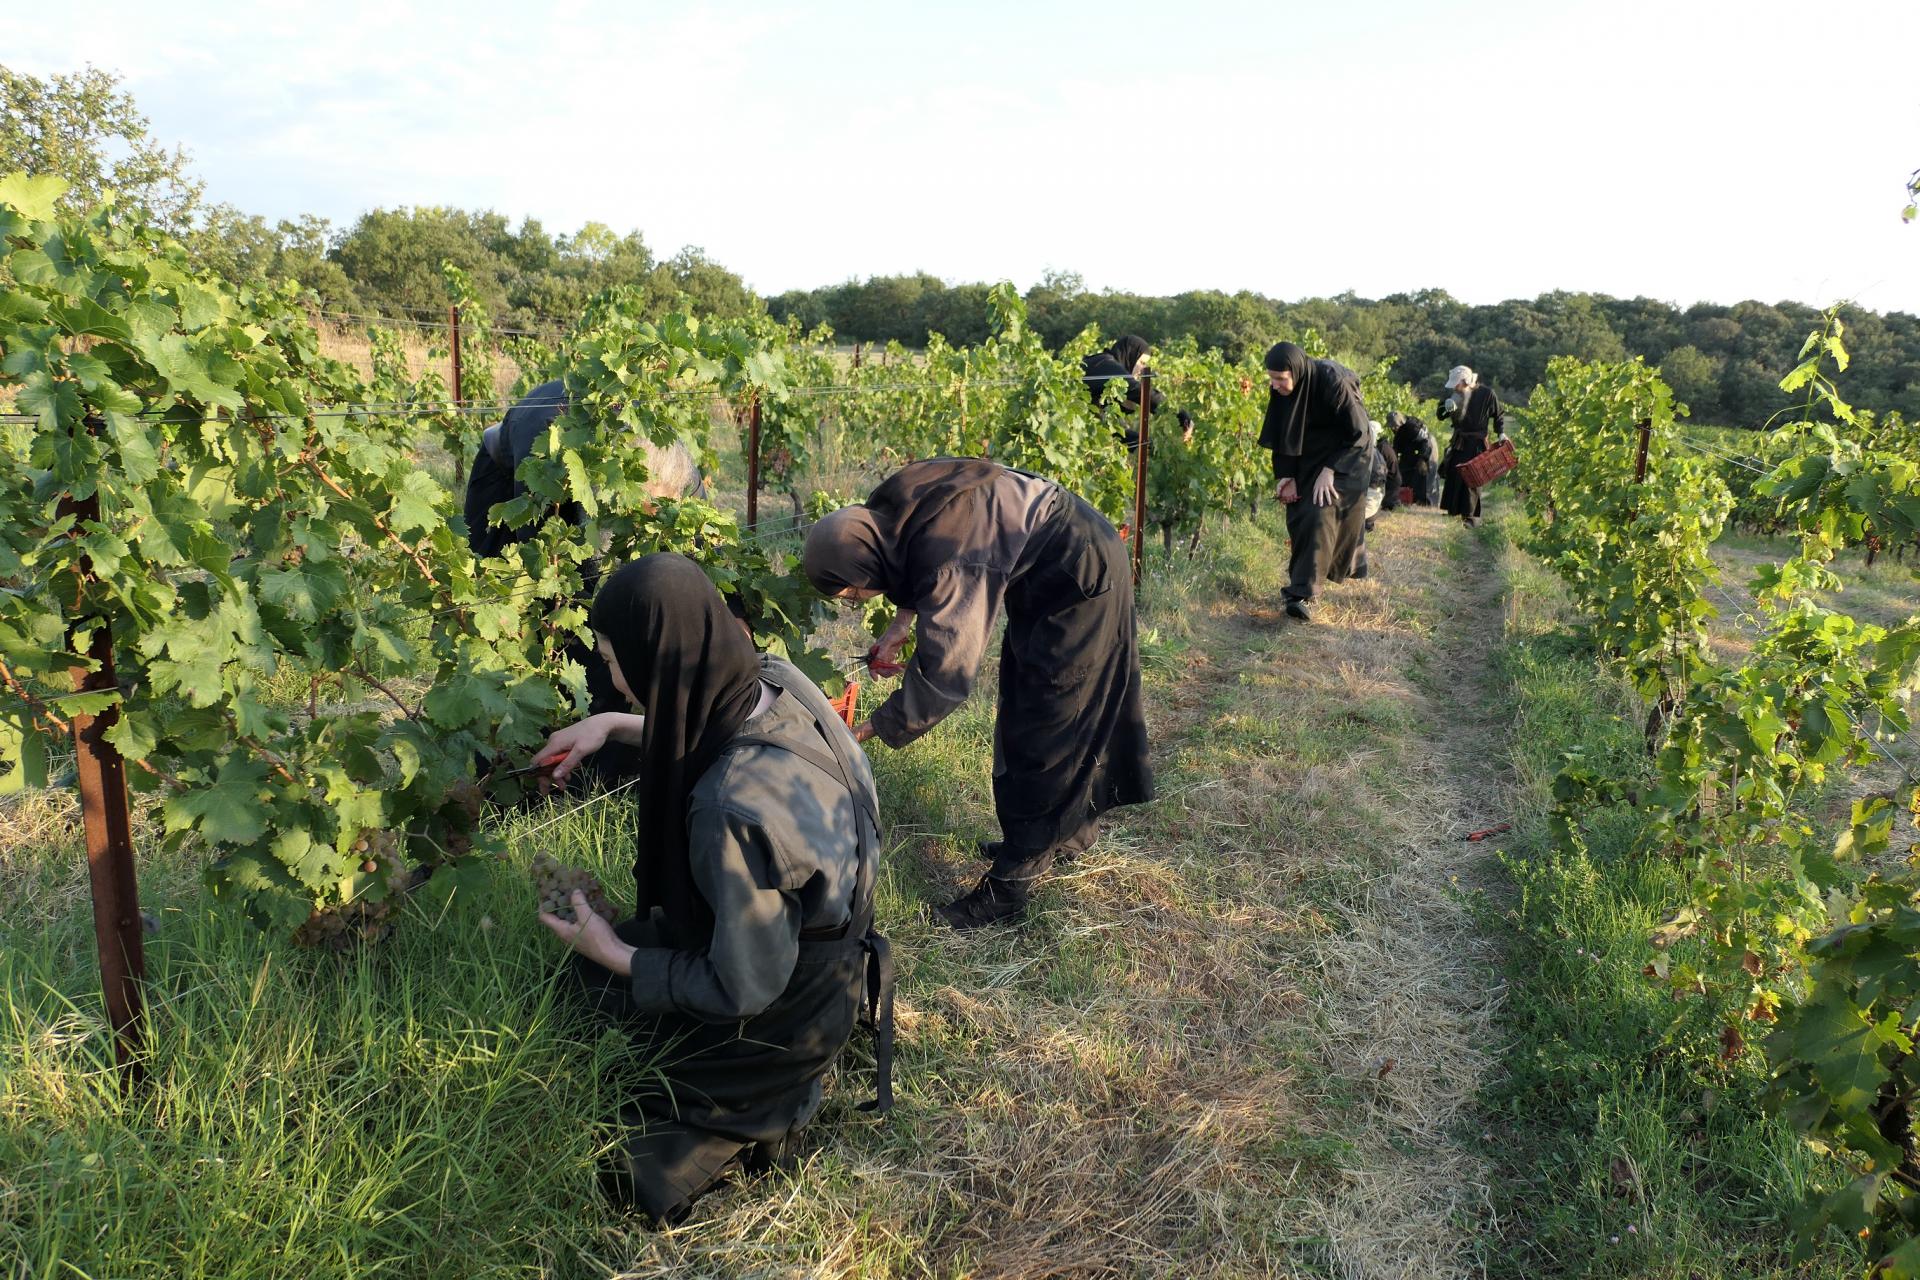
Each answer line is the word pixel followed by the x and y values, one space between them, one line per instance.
pixel 740 977
pixel 1419 457
pixel 1322 443
pixel 1474 409
pixel 493 479
pixel 1125 361
pixel 951 541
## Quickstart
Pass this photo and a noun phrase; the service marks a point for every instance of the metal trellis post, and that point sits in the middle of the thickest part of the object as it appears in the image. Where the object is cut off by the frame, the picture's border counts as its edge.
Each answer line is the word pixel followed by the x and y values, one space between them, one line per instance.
pixel 102 776
pixel 753 461
pixel 1140 474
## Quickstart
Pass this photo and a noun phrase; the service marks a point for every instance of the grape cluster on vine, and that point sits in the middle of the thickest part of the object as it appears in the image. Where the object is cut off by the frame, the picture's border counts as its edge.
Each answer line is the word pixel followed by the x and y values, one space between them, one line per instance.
pixel 557 882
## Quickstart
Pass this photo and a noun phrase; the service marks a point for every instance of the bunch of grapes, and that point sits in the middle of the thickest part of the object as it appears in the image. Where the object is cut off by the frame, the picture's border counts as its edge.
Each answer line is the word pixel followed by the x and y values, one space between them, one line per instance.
pixel 556 882
pixel 350 924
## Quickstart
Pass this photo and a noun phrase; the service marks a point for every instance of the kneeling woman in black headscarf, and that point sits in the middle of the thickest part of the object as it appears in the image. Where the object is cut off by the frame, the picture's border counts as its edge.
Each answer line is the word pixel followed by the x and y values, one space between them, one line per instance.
pixel 1322 444
pixel 949 540
pixel 741 974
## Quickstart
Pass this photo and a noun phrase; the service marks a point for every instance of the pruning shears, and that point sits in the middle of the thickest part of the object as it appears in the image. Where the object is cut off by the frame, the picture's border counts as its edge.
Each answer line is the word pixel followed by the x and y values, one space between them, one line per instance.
pixel 876 667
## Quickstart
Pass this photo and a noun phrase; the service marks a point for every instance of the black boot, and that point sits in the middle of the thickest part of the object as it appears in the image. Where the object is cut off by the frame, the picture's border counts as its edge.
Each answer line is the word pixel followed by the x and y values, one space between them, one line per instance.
pixel 992 901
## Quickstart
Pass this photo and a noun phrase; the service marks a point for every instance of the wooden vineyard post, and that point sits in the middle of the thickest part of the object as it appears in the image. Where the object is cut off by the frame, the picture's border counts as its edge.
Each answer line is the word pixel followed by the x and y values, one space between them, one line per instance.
pixel 108 822
pixel 753 461
pixel 459 458
pixel 1640 455
pixel 1140 474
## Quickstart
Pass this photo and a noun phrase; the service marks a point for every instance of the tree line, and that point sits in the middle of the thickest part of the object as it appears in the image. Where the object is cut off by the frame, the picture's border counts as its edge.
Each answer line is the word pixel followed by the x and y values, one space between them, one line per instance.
pixel 1724 362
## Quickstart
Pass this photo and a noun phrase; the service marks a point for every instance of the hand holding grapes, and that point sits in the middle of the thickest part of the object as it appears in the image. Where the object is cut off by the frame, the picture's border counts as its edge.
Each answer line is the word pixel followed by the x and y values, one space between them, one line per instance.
pixel 590 935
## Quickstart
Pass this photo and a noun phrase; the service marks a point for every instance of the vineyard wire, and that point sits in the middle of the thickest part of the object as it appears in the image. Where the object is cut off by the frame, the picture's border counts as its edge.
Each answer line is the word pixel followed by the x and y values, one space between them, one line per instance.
pixel 1750 463
pixel 571 810
pixel 415 411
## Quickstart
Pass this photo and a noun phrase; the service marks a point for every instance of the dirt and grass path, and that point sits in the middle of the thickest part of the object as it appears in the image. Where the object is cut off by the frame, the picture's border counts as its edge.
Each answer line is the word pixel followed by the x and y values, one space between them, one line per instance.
pixel 1244 1035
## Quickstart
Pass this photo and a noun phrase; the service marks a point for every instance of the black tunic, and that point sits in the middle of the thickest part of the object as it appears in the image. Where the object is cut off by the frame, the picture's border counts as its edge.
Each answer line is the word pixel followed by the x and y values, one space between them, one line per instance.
pixel 1471 423
pixel 1326 542
pixel 964 538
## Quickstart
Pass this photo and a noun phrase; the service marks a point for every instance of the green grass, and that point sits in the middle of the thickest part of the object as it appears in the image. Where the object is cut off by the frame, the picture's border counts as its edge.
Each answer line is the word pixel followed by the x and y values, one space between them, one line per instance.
pixel 1625 1146
pixel 431 1108
pixel 1172 1069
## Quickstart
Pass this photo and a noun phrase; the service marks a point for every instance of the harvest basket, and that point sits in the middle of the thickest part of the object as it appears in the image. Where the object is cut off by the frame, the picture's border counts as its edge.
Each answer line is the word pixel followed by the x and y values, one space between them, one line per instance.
pixel 1406 495
pixel 1479 472
pixel 846 702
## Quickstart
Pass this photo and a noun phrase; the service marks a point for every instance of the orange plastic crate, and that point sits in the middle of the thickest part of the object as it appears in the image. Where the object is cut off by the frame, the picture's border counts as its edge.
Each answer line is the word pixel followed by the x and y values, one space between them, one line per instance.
pixel 846 702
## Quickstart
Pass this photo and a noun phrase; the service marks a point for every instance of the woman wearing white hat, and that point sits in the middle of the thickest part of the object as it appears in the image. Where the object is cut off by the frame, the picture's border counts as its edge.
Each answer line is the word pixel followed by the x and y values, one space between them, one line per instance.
pixel 1474 409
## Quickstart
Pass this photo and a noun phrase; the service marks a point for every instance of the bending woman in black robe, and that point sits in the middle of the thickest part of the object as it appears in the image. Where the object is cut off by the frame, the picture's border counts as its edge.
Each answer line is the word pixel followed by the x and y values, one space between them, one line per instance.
pixel 1419 457
pixel 1474 409
pixel 740 976
pixel 949 541
pixel 1322 444
pixel 1125 361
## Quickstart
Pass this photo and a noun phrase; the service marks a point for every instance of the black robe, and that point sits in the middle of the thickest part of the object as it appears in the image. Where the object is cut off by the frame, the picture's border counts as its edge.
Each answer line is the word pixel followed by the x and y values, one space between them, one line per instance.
pixel 1386 472
pixel 1419 460
pixel 1327 543
pixel 958 540
pixel 1481 412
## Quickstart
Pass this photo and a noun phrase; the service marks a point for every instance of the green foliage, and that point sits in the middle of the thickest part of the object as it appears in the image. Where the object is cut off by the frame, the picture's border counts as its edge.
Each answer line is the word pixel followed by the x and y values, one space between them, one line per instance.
pixel 86 131
pixel 1780 927
pixel 263 518
pixel 1634 555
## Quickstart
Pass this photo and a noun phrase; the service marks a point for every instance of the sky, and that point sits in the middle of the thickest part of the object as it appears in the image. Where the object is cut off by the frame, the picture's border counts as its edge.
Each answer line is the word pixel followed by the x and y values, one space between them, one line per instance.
pixel 1686 150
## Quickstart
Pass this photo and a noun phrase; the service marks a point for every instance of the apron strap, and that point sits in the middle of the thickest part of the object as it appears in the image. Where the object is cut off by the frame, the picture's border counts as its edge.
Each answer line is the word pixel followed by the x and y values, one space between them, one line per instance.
pixel 878 953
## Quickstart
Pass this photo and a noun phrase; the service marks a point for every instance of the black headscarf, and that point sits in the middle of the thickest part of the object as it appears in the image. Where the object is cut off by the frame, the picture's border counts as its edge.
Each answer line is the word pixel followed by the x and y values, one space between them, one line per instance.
pixel 695 676
pixel 1128 351
pixel 1285 428
pixel 908 529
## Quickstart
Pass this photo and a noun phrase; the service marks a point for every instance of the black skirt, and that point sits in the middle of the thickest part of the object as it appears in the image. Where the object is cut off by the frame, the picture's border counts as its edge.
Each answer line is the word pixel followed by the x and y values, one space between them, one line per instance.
pixel 1325 544
pixel 1070 739
pixel 718 1089
pixel 1458 498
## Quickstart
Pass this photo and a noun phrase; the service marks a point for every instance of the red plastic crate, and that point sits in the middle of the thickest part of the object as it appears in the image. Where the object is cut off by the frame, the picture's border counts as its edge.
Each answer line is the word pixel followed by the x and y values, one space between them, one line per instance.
pixel 1479 472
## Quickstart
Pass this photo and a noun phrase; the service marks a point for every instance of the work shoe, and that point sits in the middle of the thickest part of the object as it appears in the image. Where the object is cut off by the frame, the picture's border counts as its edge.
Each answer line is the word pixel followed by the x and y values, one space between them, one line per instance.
pixel 1300 609
pixel 988 903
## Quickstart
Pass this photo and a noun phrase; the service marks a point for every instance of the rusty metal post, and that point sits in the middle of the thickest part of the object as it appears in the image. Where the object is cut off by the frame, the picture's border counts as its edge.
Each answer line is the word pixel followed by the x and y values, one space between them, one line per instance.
pixel 1140 474
pixel 458 388
pixel 459 455
pixel 753 461
pixel 1640 454
pixel 108 822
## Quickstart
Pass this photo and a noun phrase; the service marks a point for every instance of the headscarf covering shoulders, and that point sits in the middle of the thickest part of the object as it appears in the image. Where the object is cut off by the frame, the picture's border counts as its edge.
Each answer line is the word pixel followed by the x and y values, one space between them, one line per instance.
pixel 695 675
pixel 1322 389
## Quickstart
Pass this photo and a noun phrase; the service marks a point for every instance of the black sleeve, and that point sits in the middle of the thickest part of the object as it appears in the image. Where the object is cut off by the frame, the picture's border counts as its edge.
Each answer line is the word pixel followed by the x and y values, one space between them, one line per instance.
pixel 1497 413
